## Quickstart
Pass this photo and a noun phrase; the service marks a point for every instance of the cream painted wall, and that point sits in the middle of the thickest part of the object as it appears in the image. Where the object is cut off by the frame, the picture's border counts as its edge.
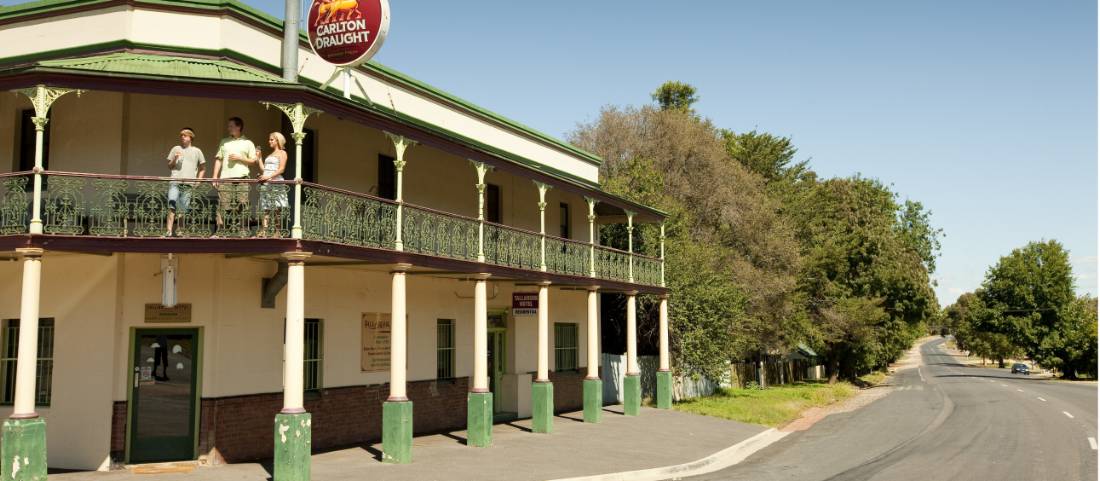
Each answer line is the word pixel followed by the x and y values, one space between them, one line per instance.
pixel 79 292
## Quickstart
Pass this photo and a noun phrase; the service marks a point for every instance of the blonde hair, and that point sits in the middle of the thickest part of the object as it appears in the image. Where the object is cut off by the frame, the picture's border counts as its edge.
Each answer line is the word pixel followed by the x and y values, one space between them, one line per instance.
pixel 279 139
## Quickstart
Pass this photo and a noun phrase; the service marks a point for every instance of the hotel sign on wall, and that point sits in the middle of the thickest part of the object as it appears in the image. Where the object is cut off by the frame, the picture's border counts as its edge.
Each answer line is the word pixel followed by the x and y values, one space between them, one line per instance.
pixel 347 32
pixel 376 342
pixel 525 303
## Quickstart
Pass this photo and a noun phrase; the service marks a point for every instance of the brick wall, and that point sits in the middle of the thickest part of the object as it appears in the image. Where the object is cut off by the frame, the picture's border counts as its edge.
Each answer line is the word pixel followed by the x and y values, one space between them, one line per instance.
pixel 568 390
pixel 241 428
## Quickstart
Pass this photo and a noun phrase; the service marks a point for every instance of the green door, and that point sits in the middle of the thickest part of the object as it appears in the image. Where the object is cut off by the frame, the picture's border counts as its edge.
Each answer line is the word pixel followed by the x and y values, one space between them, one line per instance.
pixel 497 365
pixel 162 400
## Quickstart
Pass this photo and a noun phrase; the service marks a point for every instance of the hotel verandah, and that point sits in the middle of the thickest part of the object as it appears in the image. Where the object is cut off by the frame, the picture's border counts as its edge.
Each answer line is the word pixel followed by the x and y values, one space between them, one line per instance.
pixel 414 206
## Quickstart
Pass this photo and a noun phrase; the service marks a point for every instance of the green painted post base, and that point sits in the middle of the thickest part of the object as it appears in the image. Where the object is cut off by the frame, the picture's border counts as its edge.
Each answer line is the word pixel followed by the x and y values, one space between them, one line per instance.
pixel 542 407
pixel 479 419
pixel 664 389
pixel 23 449
pixel 632 394
pixel 293 443
pixel 593 400
pixel 397 432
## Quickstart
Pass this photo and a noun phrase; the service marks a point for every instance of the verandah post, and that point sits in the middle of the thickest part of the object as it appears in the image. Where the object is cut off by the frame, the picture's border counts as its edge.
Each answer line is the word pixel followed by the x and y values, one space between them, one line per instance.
pixel 297 114
pixel 400 144
pixel 479 401
pixel 41 97
pixel 482 169
pixel 632 383
pixel 542 390
pixel 293 425
pixel 23 443
pixel 397 411
pixel 593 385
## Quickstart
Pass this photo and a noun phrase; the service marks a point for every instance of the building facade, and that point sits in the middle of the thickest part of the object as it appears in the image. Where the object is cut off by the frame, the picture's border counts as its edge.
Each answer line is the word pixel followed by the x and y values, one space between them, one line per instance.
pixel 425 265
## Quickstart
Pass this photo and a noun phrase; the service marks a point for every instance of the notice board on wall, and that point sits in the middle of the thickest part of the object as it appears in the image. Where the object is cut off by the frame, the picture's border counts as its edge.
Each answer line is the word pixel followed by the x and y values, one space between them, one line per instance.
pixel 375 355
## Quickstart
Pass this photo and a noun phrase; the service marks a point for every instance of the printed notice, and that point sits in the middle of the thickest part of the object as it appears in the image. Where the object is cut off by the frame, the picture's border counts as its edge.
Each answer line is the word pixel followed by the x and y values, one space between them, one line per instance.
pixel 376 342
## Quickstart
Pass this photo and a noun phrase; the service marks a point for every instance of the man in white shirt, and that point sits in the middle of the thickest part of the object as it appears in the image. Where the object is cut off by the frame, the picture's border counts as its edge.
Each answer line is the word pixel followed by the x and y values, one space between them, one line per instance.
pixel 185 161
pixel 234 160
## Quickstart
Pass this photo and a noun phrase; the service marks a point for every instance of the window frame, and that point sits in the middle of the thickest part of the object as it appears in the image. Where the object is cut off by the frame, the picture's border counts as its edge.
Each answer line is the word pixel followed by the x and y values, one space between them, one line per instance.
pixel 318 360
pixel 445 352
pixel 9 344
pixel 561 351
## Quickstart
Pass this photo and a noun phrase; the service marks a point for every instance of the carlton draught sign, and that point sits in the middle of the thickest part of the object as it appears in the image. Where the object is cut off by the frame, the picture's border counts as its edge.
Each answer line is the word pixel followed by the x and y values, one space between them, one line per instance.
pixel 348 32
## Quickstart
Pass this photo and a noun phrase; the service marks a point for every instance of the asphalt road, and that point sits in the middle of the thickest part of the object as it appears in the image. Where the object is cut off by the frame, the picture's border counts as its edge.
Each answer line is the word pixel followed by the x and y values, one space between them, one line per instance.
pixel 944 421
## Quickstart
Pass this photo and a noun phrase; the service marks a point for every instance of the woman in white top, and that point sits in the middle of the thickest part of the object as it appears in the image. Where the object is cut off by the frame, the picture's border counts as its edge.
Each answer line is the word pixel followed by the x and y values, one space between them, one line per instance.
pixel 273 198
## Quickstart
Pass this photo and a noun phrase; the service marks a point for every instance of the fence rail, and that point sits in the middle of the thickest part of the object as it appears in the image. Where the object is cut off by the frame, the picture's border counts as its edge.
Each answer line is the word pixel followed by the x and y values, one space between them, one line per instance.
pixel 79 204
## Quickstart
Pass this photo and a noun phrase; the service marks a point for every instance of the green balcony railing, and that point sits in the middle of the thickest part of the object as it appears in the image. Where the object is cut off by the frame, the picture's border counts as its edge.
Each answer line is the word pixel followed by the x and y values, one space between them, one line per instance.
pixel 77 204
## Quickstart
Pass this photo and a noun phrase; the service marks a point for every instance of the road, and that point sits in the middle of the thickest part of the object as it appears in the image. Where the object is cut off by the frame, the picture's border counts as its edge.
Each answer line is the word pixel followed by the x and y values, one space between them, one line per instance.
pixel 944 421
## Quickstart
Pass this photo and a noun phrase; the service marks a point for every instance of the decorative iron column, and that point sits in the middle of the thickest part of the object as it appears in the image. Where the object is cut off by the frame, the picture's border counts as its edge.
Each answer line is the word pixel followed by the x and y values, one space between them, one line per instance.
pixel 400 144
pixel 632 382
pixel 630 245
pixel 293 425
pixel 23 443
pixel 542 390
pixel 41 97
pixel 297 114
pixel 482 169
pixel 593 385
pixel 591 235
pixel 397 411
pixel 479 401
pixel 543 188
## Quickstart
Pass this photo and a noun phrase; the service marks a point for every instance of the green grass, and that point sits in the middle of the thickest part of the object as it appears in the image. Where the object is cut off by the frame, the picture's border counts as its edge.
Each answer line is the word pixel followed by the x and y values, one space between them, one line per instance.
pixel 873 379
pixel 774 406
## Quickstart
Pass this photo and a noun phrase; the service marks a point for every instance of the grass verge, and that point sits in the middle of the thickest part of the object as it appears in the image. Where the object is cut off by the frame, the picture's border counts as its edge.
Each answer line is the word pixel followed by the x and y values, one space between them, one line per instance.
pixel 774 406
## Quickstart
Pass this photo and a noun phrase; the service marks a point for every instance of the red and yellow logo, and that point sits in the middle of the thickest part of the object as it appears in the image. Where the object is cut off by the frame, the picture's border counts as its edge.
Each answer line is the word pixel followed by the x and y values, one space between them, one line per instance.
pixel 347 32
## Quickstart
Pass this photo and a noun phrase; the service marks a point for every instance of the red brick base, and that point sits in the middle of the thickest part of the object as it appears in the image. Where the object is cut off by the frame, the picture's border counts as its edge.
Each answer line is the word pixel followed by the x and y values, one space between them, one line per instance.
pixel 241 427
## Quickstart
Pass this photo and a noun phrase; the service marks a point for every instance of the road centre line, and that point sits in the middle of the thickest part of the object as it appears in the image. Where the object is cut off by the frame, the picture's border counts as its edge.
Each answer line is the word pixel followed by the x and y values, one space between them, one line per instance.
pixel 1068 415
pixel 1092 443
pixel 1041 399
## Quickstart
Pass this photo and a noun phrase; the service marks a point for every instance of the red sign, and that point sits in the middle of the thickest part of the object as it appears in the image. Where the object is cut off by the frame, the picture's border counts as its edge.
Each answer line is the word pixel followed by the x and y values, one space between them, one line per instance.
pixel 347 32
pixel 525 303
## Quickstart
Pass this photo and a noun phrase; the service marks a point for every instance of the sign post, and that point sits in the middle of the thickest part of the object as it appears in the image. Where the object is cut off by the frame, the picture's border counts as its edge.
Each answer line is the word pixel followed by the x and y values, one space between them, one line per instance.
pixel 347 33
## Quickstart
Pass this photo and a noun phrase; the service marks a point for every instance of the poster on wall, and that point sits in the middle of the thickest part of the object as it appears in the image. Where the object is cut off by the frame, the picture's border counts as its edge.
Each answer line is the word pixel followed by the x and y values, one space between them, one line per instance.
pixel 376 342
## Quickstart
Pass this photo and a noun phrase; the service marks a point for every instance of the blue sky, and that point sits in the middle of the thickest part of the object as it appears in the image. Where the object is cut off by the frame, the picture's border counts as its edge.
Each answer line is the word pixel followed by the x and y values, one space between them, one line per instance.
pixel 985 111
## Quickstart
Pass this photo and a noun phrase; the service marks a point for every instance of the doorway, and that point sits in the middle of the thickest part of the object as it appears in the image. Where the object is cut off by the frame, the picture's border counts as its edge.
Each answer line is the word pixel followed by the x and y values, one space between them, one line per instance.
pixel 498 357
pixel 163 395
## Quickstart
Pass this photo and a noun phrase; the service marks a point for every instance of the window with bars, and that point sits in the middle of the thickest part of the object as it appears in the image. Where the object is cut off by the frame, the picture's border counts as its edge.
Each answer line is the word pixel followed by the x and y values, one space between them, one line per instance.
pixel 314 358
pixel 44 370
pixel 565 346
pixel 445 349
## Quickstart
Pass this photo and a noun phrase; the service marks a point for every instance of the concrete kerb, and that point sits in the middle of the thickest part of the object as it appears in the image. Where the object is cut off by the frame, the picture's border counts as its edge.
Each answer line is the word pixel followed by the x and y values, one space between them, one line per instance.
pixel 715 462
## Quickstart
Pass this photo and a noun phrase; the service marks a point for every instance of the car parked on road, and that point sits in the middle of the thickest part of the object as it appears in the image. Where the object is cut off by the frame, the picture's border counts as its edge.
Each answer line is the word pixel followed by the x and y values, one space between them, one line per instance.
pixel 1020 368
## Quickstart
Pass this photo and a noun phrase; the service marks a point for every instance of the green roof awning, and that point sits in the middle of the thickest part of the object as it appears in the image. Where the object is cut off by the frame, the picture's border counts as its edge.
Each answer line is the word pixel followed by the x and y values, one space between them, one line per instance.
pixel 166 66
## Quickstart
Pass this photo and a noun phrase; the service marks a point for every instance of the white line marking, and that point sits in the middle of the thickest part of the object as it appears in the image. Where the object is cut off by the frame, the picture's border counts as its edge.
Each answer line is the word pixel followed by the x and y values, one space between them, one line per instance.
pixel 1004 385
pixel 1092 443
pixel 921 374
pixel 1068 415
pixel 1019 390
pixel 1041 399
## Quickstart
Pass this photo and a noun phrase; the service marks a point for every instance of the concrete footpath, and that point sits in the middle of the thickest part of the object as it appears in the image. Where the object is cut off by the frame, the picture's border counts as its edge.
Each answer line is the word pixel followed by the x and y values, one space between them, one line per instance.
pixel 656 438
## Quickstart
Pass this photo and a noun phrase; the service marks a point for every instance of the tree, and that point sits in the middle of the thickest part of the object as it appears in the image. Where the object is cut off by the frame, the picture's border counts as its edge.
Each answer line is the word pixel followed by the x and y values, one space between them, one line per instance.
pixel 675 95
pixel 1031 291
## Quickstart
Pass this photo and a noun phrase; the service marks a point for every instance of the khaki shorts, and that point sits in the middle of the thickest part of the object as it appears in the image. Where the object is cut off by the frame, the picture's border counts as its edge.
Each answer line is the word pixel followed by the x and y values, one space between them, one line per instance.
pixel 228 192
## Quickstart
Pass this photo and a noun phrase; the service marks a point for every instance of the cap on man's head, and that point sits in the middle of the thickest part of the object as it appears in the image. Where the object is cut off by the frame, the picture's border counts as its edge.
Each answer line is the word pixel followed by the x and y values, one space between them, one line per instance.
pixel 188 132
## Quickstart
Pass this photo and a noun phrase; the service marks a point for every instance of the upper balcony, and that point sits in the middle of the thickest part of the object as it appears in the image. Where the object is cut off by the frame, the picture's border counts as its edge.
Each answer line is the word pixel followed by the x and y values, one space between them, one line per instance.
pixel 92 212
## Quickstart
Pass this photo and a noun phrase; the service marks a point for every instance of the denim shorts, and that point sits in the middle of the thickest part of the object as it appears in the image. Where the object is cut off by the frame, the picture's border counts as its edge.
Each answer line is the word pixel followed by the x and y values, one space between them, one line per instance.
pixel 179 196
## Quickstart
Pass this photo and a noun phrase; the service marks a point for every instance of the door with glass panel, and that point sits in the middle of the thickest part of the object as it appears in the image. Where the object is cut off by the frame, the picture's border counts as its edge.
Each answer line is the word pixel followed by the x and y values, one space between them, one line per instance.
pixel 163 383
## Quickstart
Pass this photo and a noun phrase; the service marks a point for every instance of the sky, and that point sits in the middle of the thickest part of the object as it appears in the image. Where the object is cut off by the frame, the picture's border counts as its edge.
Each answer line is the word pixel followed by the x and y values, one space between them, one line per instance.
pixel 984 111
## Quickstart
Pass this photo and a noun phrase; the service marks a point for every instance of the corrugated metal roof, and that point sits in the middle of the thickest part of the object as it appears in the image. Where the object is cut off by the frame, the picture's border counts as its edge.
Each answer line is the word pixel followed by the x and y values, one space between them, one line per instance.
pixel 168 66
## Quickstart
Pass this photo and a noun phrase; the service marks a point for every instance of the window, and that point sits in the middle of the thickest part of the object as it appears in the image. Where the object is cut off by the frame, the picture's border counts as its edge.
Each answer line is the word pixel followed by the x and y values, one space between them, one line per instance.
pixel 492 203
pixel 44 370
pixel 565 347
pixel 564 232
pixel 313 355
pixel 445 349
pixel 387 177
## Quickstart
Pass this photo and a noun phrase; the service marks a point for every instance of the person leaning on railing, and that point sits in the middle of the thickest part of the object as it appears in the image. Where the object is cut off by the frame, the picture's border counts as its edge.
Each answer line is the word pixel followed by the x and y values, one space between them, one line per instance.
pixel 234 160
pixel 185 162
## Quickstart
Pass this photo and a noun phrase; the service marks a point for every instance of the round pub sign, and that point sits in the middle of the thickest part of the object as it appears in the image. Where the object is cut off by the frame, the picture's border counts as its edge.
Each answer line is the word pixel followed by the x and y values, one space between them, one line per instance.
pixel 348 32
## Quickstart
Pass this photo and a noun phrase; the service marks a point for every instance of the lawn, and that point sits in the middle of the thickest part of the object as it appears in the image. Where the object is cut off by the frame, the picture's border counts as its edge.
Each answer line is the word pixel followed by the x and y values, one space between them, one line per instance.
pixel 774 406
